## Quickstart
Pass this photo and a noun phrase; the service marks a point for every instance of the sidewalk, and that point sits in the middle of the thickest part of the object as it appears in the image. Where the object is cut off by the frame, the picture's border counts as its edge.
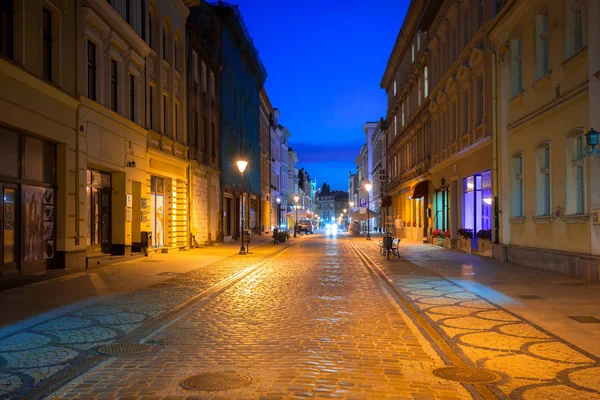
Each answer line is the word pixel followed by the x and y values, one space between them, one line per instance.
pixel 70 291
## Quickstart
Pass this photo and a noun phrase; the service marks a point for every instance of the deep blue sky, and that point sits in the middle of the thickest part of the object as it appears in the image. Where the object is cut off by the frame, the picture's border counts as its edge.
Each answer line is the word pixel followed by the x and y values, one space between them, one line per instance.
pixel 325 60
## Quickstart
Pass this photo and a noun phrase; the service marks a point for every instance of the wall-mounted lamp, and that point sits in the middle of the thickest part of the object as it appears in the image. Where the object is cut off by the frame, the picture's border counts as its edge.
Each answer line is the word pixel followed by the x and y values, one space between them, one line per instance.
pixel 131 164
pixel 591 139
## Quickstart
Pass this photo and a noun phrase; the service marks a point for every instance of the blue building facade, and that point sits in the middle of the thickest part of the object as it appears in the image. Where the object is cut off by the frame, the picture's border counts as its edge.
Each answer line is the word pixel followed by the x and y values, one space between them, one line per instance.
pixel 242 76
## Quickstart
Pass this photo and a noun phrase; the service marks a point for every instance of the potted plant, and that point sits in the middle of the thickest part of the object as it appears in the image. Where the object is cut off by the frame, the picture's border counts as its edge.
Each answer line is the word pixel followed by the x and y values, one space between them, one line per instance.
pixel 485 242
pixel 414 224
pixel 465 239
pixel 437 237
pixel 447 241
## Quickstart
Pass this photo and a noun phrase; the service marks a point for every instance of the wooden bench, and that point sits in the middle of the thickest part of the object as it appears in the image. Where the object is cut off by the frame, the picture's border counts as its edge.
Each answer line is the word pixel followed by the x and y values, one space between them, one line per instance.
pixel 394 249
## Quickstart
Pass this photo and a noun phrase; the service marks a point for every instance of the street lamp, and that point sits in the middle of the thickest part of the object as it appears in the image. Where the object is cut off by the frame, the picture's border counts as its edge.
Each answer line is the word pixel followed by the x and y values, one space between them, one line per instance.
pixel 351 204
pixel 591 139
pixel 242 164
pixel 296 198
pixel 368 187
pixel 278 213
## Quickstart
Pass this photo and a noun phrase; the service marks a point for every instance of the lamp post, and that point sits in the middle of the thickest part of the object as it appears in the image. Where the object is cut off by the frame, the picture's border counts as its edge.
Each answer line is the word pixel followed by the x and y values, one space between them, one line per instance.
pixel 242 164
pixel 278 213
pixel 345 218
pixel 296 198
pixel 368 187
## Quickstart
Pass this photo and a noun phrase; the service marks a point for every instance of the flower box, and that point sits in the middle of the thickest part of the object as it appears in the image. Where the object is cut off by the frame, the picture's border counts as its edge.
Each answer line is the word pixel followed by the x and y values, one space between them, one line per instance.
pixel 485 247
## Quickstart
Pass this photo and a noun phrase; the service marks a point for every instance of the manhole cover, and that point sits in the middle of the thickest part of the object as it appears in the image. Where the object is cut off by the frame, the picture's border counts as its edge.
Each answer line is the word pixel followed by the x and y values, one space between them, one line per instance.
pixel 466 375
pixel 123 349
pixel 214 381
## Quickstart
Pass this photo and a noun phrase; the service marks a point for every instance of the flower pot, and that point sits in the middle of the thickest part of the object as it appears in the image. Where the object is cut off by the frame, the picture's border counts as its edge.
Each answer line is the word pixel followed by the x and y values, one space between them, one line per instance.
pixel 485 247
pixel 447 243
pixel 465 245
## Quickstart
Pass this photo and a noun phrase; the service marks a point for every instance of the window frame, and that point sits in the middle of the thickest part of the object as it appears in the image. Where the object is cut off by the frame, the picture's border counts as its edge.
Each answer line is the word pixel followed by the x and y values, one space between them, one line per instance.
pixel 518 183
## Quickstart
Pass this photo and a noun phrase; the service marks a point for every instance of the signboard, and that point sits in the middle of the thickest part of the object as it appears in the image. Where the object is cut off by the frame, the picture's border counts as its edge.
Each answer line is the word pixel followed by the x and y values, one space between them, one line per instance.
pixel 596 217
pixel 128 214
pixel 362 202
pixel 129 200
pixel 382 181
pixel 363 210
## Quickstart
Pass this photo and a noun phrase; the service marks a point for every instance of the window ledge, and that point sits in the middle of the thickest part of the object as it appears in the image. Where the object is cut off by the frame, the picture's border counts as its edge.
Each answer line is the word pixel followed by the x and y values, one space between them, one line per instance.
pixel 543 219
pixel 574 57
pixel 517 220
pixel 575 218
pixel 543 79
pixel 517 96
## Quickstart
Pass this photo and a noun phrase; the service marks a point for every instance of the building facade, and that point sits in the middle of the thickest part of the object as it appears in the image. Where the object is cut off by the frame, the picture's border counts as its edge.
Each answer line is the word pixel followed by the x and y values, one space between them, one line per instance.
pixel 279 181
pixel 43 195
pixel 203 121
pixel 266 121
pixel 547 69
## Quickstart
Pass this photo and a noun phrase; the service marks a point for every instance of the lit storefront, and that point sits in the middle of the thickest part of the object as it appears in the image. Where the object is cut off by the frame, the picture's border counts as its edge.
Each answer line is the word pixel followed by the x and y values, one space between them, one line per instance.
pixel 98 193
pixel 157 211
pixel 477 203
pixel 28 203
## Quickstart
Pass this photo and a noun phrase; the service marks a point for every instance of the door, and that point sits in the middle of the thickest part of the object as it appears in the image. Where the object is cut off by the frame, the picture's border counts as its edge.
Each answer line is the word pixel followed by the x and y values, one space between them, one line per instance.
pixel 8 231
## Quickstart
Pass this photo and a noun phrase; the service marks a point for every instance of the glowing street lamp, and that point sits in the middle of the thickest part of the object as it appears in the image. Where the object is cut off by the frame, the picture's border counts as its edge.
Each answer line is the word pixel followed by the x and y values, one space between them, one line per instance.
pixel 368 187
pixel 296 198
pixel 351 204
pixel 242 164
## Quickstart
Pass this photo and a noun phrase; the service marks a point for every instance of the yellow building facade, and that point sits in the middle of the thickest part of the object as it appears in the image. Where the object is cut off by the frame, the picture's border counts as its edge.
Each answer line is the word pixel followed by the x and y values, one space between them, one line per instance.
pixel 543 85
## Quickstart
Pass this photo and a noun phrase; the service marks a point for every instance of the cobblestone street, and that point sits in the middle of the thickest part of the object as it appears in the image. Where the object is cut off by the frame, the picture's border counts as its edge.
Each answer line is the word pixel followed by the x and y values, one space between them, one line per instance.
pixel 324 317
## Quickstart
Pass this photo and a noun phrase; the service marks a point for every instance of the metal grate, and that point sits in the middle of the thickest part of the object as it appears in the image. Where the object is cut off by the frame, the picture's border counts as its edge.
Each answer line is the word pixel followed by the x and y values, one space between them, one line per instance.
pixel 466 375
pixel 215 381
pixel 123 349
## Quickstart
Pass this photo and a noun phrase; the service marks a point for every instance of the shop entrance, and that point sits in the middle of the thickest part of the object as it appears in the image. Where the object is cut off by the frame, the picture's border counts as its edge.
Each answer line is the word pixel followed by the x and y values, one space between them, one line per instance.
pixel 99 211
pixel 9 232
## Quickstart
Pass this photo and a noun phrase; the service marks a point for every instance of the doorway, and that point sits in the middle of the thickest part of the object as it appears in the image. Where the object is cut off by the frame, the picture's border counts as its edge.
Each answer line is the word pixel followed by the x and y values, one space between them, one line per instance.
pixel 99 211
pixel 8 233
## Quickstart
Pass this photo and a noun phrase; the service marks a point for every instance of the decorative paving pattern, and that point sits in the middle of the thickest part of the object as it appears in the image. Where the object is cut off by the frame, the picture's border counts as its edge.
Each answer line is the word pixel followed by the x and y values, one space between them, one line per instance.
pixel 32 355
pixel 533 363
pixel 312 324
pixel 216 381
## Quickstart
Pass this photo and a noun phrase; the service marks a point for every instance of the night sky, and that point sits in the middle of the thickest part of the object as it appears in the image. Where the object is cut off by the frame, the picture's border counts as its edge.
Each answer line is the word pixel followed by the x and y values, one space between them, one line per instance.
pixel 325 61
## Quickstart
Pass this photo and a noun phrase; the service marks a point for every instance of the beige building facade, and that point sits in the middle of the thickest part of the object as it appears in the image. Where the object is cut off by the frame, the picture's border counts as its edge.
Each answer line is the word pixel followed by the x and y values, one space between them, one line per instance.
pixel 547 98
pixel 39 136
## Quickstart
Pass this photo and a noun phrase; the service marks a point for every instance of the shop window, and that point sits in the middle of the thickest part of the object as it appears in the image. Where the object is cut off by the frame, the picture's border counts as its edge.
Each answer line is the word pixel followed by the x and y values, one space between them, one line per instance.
pixel 477 210
pixel 6 28
pixel 441 210
pixel 157 211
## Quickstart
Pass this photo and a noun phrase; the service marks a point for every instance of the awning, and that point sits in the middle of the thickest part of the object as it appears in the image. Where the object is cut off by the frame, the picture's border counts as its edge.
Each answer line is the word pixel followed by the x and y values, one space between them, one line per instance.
pixel 387 201
pixel 420 190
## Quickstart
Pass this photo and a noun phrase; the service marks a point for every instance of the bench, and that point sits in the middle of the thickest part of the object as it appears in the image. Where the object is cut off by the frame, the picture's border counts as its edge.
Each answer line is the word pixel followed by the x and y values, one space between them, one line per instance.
pixel 394 249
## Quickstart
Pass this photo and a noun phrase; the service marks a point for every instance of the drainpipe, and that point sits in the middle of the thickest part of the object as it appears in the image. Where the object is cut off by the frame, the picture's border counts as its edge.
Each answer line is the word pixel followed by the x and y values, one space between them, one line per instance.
pixel 495 144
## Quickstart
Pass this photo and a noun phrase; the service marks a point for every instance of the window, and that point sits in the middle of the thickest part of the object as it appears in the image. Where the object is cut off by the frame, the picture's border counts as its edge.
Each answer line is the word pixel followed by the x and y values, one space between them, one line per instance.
pixel 579 166
pixel 420 90
pixel 402 114
pixel 132 97
pixel 573 27
pixel 480 99
pixel 395 87
pixel 177 134
pixel 212 86
pixel 91 70
pixel 480 12
pixel 152 107
pixel 413 52
pixel 151 32
pixel 542 49
pixel 204 135
pixel 176 54
pixel 426 82
pixel 213 140
pixel 165 41
pixel 204 77
pixel 194 66
pixel 516 66
pixel 143 18
pixel 165 114
pixel 543 181
pixel 517 186
pixel 465 112
pixel 6 28
pixel 47 44
pixel 128 11
pixel 395 125
pixel 114 86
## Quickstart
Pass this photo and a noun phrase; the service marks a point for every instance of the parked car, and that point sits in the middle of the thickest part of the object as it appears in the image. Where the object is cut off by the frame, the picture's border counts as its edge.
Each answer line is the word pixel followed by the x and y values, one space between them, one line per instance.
pixel 305 225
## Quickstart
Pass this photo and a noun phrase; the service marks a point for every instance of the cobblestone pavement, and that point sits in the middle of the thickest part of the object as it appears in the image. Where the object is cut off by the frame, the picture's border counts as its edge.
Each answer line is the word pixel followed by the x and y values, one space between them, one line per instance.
pixel 312 323
pixel 533 363
pixel 28 357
